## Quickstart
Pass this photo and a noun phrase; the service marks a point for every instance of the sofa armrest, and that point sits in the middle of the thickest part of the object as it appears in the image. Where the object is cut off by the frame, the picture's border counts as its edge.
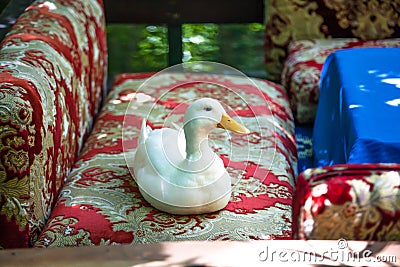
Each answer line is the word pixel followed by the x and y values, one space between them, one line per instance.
pixel 52 78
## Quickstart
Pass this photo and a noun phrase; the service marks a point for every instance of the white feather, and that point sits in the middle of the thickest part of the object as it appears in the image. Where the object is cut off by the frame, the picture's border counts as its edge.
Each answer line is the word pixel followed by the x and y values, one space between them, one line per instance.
pixel 176 170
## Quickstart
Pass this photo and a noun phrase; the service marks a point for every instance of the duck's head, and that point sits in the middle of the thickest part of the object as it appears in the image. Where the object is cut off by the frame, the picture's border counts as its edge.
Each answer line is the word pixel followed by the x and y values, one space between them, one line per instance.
pixel 208 114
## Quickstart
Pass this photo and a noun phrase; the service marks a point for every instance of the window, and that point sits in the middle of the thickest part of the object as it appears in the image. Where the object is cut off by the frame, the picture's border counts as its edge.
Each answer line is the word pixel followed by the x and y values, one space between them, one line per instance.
pixel 142 48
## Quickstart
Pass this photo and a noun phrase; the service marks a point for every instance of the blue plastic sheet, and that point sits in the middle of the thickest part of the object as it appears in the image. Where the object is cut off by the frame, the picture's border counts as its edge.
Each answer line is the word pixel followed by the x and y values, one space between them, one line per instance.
pixel 358 116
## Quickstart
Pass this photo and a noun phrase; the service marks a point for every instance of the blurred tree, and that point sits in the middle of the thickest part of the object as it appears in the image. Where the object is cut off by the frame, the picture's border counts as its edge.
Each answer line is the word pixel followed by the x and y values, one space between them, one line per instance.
pixel 200 42
pixel 152 49
pixel 136 48
pixel 242 47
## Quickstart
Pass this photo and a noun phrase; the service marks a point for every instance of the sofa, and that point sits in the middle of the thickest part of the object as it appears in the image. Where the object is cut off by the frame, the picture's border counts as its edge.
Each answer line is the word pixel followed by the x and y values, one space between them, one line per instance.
pixel 66 137
pixel 352 201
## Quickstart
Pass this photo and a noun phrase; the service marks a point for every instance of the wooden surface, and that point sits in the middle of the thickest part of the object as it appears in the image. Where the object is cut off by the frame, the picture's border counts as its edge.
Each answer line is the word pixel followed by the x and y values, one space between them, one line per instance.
pixel 218 253
pixel 183 11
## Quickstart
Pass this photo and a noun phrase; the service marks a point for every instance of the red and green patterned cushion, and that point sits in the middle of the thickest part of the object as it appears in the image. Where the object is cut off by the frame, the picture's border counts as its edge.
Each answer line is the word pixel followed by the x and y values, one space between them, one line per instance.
pixel 302 70
pixel 354 202
pixel 101 203
pixel 292 20
pixel 52 74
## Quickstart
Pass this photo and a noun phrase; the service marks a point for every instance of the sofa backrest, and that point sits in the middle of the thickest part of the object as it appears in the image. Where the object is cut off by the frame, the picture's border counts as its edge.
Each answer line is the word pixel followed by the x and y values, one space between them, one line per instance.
pixel 52 78
pixel 291 20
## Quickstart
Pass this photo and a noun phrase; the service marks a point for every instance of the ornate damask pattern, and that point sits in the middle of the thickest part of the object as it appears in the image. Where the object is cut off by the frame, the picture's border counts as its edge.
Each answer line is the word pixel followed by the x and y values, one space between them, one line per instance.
pixel 52 75
pixel 355 202
pixel 101 203
pixel 292 20
pixel 302 70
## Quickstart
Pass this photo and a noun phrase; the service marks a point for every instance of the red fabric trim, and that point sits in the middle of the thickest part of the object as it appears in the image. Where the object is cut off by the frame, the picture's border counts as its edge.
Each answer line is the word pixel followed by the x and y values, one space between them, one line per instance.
pixel 11 235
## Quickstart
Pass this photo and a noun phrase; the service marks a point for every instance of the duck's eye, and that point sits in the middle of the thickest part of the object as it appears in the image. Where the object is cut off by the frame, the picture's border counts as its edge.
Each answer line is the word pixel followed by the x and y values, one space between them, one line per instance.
pixel 208 108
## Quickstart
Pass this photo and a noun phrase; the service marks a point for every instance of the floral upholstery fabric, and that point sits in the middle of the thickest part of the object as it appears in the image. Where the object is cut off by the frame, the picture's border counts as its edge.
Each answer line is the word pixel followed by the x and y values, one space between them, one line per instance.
pixel 355 202
pixel 101 203
pixel 302 70
pixel 52 73
pixel 290 20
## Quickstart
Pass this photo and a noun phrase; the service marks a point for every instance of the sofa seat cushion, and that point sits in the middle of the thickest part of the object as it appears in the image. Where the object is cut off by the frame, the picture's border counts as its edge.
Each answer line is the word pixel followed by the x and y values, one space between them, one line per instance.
pixel 302 70
pixel 354 202
pixel 101 203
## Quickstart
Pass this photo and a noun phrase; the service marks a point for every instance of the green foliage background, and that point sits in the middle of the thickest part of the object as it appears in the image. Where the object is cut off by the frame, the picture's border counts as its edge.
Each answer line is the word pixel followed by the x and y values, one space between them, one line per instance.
pixel 141 48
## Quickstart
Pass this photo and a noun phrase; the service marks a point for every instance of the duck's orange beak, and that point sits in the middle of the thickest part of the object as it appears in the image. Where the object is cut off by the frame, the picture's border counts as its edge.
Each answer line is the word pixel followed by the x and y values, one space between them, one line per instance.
pixel 229 124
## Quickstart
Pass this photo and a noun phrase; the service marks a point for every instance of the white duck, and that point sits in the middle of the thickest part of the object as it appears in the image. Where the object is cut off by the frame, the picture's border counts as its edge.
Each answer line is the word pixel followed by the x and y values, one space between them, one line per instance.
pixel 177 171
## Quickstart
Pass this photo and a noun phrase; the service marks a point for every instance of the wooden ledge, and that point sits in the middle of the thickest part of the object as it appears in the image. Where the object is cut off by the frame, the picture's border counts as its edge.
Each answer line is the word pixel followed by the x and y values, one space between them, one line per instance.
pixel 183 11
pixel 210 253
